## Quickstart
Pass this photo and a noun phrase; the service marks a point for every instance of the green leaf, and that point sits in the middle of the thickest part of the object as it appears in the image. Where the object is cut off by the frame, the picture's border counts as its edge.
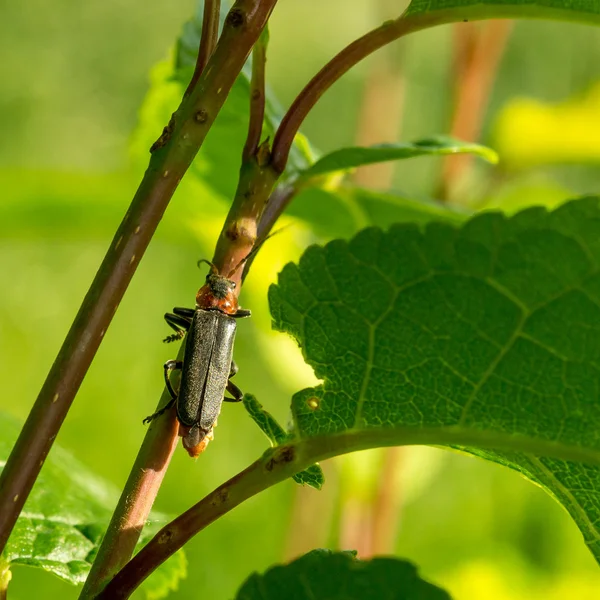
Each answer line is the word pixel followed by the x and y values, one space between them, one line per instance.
pixel 219 160
pixel 485 337
pixel 313 476
pixel 326 575
pixel 587 11
pixel 350 158
pixel 65 517
pixel 344 210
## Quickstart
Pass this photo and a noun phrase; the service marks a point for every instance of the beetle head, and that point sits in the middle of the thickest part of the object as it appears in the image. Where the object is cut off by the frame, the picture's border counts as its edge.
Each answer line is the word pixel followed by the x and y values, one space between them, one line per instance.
pixel 218 293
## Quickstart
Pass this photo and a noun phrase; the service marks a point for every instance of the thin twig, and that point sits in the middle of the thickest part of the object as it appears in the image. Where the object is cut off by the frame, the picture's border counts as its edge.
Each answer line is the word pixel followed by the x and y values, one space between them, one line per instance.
pixel 208 39
pixel 257 96
pixel 173 153
pixel 327 76
pixel 240 231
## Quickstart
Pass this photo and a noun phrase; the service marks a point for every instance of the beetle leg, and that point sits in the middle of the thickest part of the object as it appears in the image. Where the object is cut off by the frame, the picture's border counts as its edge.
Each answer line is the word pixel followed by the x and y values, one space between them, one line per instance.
pixel 235 391
pixel 179 323
pixel 233 369
pixel 188 313
pixel 164 409
pixel 241 313
pixel 169 366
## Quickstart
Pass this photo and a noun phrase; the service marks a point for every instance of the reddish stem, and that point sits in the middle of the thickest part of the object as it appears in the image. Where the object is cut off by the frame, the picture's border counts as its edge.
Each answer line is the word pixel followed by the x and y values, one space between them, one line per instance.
pixel 328 75
pixel 478 50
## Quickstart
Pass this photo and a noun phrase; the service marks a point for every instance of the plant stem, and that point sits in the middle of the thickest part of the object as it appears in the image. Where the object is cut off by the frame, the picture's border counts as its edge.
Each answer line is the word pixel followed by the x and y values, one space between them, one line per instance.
pixel 137 497
pixel 208 39
pixel 173 153
pixel 240 231
pixel 328 75
pixel 278 201
pixel 282 462
pixel 257 97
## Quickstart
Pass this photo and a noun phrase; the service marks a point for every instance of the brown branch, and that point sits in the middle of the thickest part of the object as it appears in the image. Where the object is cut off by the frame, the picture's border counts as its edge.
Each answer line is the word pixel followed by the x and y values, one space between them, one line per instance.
pixel 240 231
pixel 173 153
pixel 208 39
pixel 137 498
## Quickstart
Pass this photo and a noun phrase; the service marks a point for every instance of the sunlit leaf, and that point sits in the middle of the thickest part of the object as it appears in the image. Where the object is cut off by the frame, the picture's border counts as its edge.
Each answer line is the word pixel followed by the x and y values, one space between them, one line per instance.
pixel 325 575
pixel 530 132
pixel 350 158
pixel 458 10
pixel 485 337
pixel 313 476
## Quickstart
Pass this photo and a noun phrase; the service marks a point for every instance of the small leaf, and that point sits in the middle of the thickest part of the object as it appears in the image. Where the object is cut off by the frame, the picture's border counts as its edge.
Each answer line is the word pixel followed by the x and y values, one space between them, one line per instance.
pixel 350 158
pixel 531 132
pixel 326 575
pixel 586 11
pixel 485 337
pixel 65 517
pixel 313 476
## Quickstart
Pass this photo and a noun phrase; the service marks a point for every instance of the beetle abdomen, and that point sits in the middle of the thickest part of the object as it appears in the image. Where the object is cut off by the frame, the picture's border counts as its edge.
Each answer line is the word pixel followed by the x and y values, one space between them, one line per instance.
pixel 206 367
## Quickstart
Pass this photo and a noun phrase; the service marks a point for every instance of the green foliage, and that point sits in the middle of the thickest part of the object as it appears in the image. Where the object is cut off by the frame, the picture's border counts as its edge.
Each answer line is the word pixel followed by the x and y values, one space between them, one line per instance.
pixel 65 517
pixel 487 333
pixel 587 11
pixel 313 476
pixel 325 575
pixel 350 158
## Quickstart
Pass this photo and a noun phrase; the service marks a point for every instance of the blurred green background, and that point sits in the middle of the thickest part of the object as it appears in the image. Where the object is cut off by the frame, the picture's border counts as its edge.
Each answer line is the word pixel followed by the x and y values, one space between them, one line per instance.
pixel 73 78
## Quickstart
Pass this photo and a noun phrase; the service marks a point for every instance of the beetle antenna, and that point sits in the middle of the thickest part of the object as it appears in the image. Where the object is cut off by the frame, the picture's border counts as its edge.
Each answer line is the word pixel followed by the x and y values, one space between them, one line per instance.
pixel 211 265
pixel 255 250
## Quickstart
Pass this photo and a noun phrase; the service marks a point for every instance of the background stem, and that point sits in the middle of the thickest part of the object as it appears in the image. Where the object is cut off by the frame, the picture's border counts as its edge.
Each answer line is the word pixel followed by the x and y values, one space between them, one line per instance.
pixel 327 76
pixel 173 153
pixel 478 50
